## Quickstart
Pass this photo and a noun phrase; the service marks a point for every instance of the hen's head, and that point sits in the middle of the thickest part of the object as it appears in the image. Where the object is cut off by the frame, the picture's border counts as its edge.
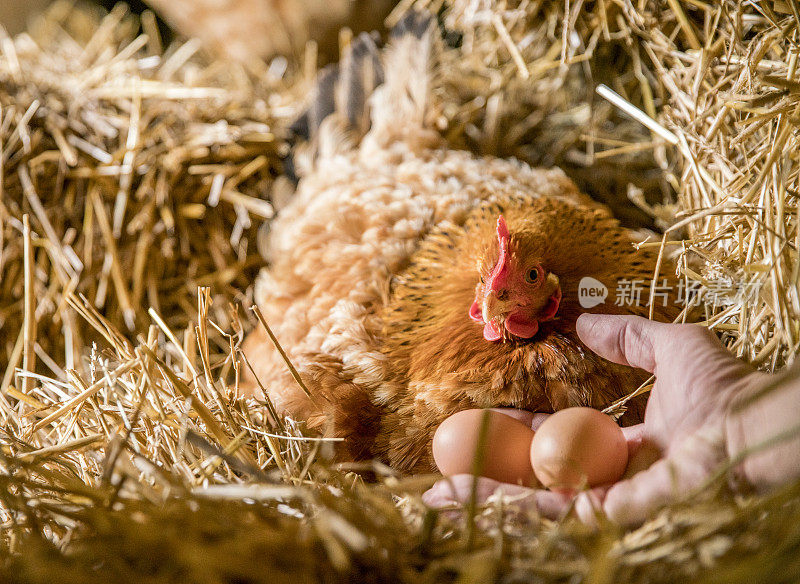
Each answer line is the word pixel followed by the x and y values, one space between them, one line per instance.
pixel 516 293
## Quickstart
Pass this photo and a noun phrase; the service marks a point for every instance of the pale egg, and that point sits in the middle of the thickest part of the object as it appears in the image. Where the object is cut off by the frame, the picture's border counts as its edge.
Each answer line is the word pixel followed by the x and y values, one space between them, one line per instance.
pixel 501 453
pixel 576 448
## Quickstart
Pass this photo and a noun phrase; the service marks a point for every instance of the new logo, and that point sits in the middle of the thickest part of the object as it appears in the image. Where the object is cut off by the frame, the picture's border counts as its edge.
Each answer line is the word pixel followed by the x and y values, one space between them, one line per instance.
pixel 591 292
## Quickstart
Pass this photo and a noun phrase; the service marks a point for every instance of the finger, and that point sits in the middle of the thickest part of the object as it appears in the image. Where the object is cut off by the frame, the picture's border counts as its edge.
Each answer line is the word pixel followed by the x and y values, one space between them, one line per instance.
pixel 641 456
pixel 634 436
pixel 628 340
pixel 646 344
pixel 458 490
pixel 531 419
pixel 589 505
pixel 633 433
pixel 550 504
pixel 523 416
pixel 632 501
pixel 538 420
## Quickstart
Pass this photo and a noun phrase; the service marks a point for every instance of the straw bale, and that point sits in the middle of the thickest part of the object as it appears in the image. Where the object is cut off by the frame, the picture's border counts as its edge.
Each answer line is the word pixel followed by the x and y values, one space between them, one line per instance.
pixel 143 176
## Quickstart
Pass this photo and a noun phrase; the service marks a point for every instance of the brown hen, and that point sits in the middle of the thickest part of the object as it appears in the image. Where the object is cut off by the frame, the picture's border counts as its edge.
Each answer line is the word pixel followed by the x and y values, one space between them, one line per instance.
pixel 408 281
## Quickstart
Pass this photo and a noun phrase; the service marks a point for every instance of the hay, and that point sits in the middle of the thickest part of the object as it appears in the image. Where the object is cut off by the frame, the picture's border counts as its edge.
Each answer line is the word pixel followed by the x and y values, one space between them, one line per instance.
pixel 521 83
pixel 132 185
pixel 144 177
pixel 734 106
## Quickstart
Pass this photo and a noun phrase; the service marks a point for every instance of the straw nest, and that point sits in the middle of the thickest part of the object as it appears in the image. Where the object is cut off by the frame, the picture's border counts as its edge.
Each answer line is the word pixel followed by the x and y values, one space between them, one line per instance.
pixel 133 182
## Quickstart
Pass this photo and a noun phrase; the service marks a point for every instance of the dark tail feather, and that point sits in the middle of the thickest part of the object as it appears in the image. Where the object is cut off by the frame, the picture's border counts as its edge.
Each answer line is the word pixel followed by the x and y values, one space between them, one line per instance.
pixel 414 23
pixel 321 106
pixel 401 104
pixel 360 72
pixel 344 88
pixel 341 96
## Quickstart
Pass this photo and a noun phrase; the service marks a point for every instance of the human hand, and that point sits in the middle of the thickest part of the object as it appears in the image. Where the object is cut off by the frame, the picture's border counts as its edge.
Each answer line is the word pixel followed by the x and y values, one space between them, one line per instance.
pixel 692 420
pixel 691 429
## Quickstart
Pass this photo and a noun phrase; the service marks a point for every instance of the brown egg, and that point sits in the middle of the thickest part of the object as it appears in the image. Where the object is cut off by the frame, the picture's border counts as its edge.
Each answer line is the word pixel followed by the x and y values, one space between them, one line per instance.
pixel 578 447
pixel 505 448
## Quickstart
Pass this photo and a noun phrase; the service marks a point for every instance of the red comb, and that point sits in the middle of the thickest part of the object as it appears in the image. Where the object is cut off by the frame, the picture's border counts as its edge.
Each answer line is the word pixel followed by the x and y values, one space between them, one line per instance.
pixel 502 233
pixel 503 238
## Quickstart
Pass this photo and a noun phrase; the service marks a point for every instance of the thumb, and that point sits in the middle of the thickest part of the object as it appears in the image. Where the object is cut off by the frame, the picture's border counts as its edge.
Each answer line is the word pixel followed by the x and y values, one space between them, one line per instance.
pixel 643 343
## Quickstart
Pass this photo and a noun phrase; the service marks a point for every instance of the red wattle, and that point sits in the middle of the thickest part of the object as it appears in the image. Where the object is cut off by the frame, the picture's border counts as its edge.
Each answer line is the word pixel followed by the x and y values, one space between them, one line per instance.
pixel 521 327
pixel 490 332
pixel 475 312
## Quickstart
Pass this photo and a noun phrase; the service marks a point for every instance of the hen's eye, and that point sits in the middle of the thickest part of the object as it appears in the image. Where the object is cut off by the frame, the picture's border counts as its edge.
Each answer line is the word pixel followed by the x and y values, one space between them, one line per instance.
pixel 532 276
pixel 482 280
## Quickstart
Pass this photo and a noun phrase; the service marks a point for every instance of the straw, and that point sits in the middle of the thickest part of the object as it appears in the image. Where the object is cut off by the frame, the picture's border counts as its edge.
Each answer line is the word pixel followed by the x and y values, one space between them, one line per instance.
pixel 126 451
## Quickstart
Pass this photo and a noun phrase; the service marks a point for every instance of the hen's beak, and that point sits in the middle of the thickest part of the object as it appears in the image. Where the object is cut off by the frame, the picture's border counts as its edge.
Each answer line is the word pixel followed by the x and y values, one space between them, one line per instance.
pixel 495 305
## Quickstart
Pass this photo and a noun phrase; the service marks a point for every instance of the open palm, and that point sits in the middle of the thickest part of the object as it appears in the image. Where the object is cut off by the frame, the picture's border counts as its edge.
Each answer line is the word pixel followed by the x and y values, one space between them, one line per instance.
pixel 692 426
